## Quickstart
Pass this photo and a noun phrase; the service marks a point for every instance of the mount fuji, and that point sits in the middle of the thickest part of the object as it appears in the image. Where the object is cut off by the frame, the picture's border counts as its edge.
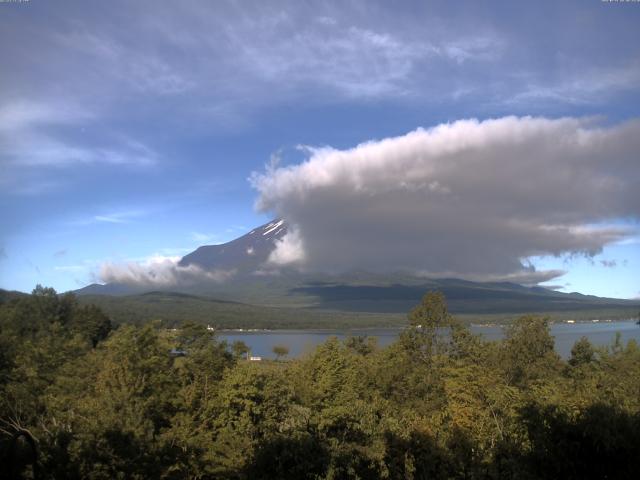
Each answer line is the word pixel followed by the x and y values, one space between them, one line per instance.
pixel 356 292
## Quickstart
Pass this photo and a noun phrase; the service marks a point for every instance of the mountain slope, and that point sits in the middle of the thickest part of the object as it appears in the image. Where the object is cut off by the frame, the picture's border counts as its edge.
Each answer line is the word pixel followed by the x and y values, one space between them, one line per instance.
pixel 245 254
pixel 173 308
pixel 463 297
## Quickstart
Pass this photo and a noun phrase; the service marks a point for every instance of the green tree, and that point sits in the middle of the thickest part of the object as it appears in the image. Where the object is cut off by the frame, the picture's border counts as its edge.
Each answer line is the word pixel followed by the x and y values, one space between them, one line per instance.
pixel 438 403
pixel 432 331
pixel 280 351
pixel 92 323
pixel 363 345
pixel 582 353
pixel 528 351
pixel 252 404
pixel 240 349
pixel 111 407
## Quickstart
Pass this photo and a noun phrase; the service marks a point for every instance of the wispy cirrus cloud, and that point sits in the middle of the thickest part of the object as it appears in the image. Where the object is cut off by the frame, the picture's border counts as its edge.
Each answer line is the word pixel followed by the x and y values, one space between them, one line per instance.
pixel 22 184
pixel 223 60
pixel 217 237
pixel 205 237
pixel 118 217
pixel 218 58
pixel 141 70
pixel 23 115
pixel 115 217
pixel 71 268
pixel 46 135
pixel 582 88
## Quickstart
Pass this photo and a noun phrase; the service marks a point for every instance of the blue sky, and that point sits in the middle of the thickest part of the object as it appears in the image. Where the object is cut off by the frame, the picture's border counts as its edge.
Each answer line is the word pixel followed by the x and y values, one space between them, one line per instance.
pixel 129 130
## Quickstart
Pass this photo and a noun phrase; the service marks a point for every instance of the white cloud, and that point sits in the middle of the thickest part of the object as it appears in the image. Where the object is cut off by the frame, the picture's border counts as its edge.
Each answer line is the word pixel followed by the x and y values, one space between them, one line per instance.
pixel 15 183
pixel 36 134
pixel 289 250
pixel 479 48
pixel 632 240
pixel 580 87
pixel 71 268
pixel 205 237
pixel 117 217
pixel 159 271
pixel 222 54
pixel 469 198
pixel 527 275
pixel 221 62
pixel 356 61
pixel 142 70
pixel 20 115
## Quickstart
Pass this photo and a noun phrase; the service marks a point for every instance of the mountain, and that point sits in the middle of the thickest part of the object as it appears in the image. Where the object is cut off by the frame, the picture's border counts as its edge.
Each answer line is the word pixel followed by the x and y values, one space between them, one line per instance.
pixel 350 293
pixel 114 289
pixel 245 254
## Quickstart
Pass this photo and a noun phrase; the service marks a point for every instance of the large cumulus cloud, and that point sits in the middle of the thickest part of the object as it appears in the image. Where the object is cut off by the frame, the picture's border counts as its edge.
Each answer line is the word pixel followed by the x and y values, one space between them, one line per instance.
pixel 471 199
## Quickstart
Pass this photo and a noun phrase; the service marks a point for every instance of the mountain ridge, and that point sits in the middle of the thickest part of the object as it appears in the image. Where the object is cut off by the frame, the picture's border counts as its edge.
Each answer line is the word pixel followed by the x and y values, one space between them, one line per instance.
pixel 353 292
pixel 245 254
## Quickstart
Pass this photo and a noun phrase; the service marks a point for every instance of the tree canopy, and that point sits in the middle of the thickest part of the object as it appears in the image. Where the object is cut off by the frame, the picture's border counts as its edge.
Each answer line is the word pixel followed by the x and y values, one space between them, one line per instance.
pixel 82 399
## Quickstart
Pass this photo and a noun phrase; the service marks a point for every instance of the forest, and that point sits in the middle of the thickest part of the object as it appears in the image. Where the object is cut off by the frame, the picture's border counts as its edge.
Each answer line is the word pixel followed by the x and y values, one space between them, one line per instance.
pixel 82 397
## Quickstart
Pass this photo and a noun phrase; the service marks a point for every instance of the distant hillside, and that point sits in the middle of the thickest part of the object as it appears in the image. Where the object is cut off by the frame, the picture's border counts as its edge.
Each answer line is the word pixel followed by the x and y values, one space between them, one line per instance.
pixel 172 308
pixel 109 289
pixel 396 295
pixel 8 295
pixel 462 297
pixel 353 307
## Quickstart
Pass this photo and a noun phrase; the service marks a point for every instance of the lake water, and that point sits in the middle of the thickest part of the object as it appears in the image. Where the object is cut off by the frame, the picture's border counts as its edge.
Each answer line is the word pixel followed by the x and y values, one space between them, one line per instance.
pixel 302 341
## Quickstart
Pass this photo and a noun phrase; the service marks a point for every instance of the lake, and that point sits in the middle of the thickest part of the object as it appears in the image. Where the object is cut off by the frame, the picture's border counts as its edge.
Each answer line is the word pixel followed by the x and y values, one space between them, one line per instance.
pixel 301 341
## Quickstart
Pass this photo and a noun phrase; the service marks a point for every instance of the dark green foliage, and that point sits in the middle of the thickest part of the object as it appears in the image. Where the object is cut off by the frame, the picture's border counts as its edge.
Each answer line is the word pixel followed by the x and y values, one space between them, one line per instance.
pixel 280 351
pixel 289 458
pixel 599 442
pixel 173 309
pixel 416 456
pixel 240 349
pixel 582 353
pixel 439 403
pixel 363 345
pixel 527 351
pixel 92 323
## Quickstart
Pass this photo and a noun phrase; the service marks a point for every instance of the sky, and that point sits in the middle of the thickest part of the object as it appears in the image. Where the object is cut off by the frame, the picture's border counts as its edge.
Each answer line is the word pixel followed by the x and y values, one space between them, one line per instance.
pixel 481 140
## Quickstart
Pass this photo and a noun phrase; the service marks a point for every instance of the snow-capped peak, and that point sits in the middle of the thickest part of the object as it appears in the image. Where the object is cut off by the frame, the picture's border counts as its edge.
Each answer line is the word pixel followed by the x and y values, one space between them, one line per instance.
pixel 273 226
